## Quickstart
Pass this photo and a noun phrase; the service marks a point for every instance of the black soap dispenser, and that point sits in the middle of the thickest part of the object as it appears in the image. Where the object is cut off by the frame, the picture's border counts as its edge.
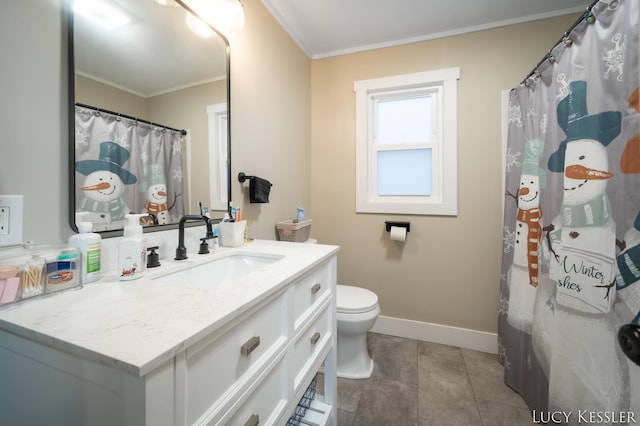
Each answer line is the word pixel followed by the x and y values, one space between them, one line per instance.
pixel 153 259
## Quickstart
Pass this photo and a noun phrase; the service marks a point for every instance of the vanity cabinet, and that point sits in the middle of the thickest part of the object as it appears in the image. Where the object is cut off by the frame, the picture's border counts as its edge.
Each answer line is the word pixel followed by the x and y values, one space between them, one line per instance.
pixel 251 370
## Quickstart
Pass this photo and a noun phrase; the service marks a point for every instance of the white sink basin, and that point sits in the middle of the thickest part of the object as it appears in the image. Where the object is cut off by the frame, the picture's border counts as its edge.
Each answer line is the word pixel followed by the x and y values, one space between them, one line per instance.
pixel 219 271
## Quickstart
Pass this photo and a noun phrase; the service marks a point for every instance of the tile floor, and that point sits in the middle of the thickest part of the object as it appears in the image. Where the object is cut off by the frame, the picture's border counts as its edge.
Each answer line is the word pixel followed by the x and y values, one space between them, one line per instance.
pixel 427 384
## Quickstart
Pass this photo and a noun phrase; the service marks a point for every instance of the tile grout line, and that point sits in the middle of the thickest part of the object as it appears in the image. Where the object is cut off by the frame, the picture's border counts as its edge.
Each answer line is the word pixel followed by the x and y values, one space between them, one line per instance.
pixel 372 355
pixel 473 390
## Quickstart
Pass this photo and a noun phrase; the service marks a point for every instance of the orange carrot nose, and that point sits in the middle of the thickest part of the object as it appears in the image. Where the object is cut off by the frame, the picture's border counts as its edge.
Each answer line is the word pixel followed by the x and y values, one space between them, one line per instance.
pixel 577 171
pixel 162 193
pixel 523 191
pixel 102 185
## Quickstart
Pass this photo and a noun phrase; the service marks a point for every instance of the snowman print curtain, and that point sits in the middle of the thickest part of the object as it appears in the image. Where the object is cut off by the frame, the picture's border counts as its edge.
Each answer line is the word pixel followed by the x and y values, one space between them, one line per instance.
pixel 125 166
pixel 571 251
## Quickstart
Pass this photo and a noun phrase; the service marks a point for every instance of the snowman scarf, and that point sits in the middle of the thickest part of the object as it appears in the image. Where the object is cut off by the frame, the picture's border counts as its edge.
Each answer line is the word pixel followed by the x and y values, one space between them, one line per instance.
pixel 594 213
pixel 155 208
pixel 532 218
pixel 115 207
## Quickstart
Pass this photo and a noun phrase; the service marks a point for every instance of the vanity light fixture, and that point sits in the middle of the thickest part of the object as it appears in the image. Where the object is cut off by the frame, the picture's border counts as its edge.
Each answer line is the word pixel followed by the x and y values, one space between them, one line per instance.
pixel 166 3
pixel 100 12
pixel 198 26
pixel 223 15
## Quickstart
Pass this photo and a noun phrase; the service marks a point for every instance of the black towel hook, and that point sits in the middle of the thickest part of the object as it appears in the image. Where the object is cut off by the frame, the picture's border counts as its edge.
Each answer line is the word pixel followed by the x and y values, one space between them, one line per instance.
pixel 242 177
pixel 258 188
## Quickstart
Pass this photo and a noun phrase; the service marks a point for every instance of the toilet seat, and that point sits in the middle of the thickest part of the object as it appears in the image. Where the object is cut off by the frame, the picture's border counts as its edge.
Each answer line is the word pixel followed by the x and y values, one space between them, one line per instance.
pixel 355 300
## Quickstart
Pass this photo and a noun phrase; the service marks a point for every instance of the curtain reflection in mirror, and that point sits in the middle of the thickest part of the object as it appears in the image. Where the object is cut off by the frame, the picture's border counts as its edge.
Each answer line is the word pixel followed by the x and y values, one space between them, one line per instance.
pixel 123 165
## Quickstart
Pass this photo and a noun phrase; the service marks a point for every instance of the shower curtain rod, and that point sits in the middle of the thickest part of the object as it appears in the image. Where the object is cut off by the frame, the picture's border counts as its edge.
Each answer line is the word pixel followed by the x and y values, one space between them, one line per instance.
pixel 183 132
pixel 584 16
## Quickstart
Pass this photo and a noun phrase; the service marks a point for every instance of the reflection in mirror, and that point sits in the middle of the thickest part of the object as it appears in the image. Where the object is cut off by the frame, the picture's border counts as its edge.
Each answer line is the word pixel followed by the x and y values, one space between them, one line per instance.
pixel 150 116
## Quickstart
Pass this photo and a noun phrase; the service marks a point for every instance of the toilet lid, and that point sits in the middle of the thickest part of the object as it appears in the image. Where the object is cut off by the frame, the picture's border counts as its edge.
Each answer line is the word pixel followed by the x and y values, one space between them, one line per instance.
pixel 355 299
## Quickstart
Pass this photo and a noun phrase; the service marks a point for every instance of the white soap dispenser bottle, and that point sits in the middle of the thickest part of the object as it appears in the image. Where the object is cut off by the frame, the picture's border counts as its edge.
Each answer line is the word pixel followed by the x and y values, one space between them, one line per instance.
pixel 132 251
pixel 89 245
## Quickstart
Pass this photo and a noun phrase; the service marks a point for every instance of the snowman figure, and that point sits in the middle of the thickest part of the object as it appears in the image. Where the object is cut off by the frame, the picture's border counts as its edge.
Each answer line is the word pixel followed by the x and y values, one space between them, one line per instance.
pixel 523 273
pixel 630 160
pixel 586 369
pixel 155 189
pixel 628 290
pixel 104 184
pixel 628 272
pixel 628 261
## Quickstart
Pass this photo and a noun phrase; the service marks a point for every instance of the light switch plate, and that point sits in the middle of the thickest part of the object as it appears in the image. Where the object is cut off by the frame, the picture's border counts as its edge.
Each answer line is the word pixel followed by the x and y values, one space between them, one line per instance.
pixel 11 219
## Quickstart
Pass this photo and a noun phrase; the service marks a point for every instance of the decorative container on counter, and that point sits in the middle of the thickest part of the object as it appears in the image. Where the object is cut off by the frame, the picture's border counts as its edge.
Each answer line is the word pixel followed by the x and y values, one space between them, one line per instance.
pixel 294 230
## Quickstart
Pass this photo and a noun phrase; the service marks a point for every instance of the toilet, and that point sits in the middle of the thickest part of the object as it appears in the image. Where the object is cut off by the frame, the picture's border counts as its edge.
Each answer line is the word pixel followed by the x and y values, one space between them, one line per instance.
pixel 357 311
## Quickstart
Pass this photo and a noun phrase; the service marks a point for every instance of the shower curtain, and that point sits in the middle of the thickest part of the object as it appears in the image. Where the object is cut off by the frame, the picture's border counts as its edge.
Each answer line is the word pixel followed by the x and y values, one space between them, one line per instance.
pixel 571 242
pixel 142 162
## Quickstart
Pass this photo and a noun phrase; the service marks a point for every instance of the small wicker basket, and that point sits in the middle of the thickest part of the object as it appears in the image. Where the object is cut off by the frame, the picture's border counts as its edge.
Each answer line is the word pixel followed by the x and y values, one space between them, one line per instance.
pixel 288 230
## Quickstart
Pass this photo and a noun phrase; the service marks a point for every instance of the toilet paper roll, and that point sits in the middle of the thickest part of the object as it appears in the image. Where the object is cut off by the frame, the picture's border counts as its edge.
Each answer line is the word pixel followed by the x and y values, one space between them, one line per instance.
pixel 398 233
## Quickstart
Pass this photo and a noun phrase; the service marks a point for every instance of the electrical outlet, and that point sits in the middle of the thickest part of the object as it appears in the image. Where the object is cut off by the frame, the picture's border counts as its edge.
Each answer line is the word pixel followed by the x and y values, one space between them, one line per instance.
pixel 5 213
pixel 11 219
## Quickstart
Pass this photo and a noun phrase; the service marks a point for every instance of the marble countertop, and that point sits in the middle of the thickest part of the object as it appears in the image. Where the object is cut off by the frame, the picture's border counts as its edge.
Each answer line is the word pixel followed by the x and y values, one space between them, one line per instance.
pixel 137 325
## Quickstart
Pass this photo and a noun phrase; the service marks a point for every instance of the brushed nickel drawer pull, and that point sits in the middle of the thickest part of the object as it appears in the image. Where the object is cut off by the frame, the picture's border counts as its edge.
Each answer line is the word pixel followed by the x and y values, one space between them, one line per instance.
pixel 250 346
pixel 316 288
pixel 254 420
pixel 315 338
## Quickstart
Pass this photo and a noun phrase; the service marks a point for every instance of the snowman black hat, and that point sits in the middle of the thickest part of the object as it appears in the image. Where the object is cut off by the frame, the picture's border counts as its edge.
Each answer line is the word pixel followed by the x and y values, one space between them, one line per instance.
pixel 577 124
pixel 112 158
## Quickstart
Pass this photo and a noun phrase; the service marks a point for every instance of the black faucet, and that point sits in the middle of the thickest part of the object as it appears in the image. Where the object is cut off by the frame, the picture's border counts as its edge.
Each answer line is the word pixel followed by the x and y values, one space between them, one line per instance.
pixel 181 251
pixel 153 218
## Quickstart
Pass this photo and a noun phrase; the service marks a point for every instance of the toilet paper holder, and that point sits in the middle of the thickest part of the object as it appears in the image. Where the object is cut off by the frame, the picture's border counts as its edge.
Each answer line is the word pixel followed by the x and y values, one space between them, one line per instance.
pixel 390 223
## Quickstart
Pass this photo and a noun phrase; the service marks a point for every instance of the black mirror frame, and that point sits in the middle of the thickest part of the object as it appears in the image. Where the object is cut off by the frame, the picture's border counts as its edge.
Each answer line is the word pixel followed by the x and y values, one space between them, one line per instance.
pixel 68 11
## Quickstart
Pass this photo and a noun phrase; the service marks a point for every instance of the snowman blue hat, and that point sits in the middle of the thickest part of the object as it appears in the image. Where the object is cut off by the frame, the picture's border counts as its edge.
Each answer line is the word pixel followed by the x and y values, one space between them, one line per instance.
pixel 112 157
pixel 154 175
pixel 577 124
pixel 530 163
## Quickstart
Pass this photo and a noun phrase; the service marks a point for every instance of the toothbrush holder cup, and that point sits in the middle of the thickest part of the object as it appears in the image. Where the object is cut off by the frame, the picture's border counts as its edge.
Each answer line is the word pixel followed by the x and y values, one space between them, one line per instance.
pixel 232 233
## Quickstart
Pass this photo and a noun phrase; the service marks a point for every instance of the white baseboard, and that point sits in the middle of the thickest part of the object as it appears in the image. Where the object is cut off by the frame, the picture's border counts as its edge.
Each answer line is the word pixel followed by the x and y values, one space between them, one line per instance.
pixel 437 333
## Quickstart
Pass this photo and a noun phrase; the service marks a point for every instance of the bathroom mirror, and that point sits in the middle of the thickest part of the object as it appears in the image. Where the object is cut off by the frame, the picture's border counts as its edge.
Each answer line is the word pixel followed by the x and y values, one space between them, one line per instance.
pixel 149 117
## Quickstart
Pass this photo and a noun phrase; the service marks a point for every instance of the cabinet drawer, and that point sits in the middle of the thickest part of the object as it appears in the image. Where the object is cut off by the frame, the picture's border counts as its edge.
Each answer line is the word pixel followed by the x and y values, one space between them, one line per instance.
pixel 310 344
pixel 264 405
pixel 214 368
pixel 308 291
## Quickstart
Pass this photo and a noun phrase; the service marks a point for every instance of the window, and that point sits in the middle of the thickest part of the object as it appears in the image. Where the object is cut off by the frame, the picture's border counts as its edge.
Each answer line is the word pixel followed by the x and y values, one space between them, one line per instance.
pixel 406 144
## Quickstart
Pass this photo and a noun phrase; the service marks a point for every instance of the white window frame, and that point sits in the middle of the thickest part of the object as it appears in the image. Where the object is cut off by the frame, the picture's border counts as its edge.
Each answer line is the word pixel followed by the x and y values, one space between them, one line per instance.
pixel 217 120
pixel 442 84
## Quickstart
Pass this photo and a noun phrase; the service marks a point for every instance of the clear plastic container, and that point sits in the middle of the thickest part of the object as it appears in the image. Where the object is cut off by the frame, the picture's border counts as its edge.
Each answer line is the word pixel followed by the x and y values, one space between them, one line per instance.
pixel 37 270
